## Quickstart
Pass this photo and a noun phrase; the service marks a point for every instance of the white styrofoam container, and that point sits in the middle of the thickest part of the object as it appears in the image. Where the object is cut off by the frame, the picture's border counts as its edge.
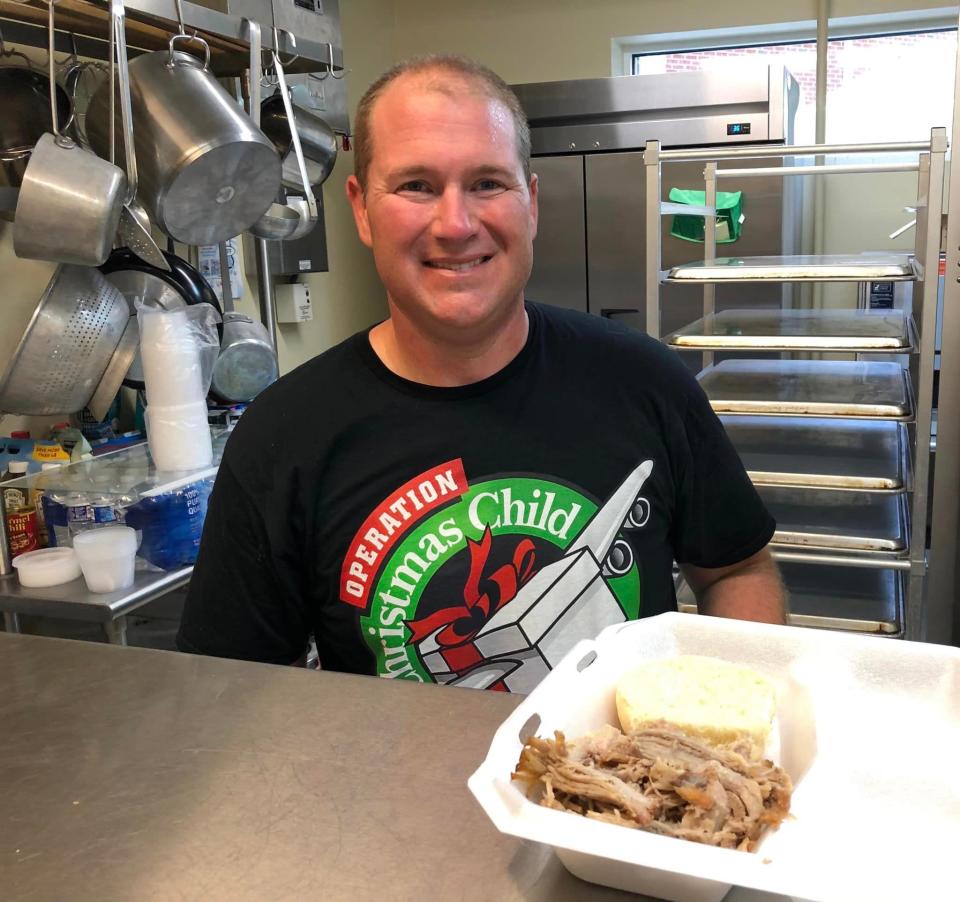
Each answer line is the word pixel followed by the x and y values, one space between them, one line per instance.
pixel 869 731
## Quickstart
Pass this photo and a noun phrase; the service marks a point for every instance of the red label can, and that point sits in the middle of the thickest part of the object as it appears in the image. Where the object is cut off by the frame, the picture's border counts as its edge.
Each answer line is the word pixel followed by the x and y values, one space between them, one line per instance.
pixel 22 530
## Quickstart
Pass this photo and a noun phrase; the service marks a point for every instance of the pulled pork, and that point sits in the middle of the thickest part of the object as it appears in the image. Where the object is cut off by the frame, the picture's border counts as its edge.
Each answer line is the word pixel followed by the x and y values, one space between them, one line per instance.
pixel 661 780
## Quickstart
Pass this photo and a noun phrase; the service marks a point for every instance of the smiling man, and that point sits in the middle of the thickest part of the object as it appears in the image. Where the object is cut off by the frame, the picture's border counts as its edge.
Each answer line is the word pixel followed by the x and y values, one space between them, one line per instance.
pixel 462 492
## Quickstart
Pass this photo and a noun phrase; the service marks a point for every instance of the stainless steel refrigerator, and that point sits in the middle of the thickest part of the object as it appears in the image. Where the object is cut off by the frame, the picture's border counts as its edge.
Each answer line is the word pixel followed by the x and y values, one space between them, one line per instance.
pixel 588 137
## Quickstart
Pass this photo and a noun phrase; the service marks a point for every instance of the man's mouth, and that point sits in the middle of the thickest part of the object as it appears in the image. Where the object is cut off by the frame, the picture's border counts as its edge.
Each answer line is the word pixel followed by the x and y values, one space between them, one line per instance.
pixel 457 265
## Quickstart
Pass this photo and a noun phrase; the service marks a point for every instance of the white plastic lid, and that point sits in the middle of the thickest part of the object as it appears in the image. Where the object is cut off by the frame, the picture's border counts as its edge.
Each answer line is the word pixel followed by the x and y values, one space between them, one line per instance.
pixel 47 567
pixel 17 466
pixel 106 542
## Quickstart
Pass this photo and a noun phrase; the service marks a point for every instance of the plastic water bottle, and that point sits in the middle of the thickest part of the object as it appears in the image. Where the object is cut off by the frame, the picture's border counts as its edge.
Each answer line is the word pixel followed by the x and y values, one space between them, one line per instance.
pixel 79 513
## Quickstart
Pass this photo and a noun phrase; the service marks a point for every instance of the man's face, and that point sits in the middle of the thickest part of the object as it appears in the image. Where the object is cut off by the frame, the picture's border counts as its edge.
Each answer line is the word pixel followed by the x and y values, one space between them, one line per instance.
pixel 447 211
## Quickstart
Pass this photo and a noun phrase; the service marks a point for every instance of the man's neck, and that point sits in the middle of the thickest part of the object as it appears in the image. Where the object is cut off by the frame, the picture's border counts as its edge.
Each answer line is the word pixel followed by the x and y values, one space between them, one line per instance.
pixel 407 352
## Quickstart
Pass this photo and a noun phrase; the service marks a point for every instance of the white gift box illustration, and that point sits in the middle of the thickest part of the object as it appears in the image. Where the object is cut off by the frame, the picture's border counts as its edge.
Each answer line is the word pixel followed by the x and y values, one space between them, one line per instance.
pixel 564 602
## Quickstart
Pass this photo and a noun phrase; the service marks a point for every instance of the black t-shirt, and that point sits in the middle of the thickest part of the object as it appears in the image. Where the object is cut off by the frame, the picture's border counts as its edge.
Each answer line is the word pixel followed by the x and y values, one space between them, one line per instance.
pixel 467 535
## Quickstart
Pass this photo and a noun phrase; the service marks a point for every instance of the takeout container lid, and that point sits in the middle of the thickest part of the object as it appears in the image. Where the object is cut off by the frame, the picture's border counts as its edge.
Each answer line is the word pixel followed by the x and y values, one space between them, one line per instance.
pixel 867 728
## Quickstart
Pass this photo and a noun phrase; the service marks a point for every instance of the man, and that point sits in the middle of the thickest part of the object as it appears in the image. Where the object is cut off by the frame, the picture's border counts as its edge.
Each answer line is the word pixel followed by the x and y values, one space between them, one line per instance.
pixel 470 487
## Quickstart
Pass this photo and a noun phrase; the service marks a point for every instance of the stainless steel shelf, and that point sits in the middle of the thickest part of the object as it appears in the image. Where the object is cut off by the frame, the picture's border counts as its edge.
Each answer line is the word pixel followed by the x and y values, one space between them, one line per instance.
pixel 150 23
pixel 818 388
pixel 73 601
pixel 852 599
pixel 808 268
pixel 833 521
pixel 853 455
pixel 883 331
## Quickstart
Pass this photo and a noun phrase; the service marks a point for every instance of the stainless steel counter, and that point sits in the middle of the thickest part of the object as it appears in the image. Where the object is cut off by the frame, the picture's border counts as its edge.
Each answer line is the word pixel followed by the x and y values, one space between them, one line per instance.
pixel 137 774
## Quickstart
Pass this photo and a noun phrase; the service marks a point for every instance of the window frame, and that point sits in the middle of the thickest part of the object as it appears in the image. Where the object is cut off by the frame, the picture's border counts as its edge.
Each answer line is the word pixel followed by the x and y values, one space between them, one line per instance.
pixel 625 49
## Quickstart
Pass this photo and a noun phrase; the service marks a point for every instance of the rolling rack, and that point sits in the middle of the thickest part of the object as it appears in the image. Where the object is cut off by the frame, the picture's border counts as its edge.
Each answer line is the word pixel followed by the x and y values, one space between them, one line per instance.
pixel 838 449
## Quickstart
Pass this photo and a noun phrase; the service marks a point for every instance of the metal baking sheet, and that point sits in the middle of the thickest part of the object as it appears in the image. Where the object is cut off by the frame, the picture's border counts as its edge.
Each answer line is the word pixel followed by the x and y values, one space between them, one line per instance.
pixel 853 599
pixel 800 268
pixel 840 388
pixel 854 455
pixel 794 330
pixel 833 521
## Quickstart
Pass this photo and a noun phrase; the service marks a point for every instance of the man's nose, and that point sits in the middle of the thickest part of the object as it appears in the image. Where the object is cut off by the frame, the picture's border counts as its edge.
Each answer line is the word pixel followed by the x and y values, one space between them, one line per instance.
pixel 454 219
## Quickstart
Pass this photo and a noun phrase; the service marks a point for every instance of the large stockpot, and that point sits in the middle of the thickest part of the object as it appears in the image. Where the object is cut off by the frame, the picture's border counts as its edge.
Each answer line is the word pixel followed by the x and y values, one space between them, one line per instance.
pixel 317 139
pixel 206 172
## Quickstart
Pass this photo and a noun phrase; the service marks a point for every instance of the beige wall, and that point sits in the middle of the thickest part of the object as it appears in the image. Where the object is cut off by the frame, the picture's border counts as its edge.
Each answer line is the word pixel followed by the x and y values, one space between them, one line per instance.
pixel 546 40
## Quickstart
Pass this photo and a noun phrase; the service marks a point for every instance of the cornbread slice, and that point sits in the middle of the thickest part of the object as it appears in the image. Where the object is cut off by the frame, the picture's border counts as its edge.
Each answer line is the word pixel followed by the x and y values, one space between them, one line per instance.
pixel 716 701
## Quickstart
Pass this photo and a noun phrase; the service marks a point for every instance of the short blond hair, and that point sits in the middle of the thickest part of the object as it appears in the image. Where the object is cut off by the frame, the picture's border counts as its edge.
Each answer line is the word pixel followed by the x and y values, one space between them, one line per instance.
pixel 467 69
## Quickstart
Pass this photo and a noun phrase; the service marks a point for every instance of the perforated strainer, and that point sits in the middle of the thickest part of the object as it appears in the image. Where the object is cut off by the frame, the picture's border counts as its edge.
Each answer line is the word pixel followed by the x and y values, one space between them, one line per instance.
pixel 66 346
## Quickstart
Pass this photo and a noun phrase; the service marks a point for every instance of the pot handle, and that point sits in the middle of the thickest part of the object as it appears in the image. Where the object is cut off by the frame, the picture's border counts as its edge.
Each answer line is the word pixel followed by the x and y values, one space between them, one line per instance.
pixel 193 39
pixel 295 136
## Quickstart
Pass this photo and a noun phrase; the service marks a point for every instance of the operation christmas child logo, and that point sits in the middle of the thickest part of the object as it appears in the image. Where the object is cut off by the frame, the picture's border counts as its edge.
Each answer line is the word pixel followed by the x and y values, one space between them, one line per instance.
pixel 488 585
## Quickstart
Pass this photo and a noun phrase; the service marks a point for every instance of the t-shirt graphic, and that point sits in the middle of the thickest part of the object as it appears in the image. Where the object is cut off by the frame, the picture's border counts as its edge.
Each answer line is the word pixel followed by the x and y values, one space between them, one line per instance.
pixel 489 584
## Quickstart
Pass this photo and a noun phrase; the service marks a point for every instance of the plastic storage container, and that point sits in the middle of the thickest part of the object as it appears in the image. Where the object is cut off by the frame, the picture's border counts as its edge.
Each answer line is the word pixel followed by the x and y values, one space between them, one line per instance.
pixel 107 557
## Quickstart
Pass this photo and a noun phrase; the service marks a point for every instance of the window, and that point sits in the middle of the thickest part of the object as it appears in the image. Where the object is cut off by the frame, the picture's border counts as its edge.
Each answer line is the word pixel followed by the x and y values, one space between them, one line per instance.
pixel 888 78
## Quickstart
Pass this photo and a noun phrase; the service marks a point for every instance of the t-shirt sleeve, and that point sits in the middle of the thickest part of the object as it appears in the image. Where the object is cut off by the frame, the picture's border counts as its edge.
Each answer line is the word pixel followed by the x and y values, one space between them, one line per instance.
pixel 720 518
pixel 244 601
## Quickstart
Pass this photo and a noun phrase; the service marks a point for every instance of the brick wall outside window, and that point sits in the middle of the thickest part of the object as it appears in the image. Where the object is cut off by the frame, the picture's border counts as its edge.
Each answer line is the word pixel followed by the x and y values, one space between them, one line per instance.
pixel 892 87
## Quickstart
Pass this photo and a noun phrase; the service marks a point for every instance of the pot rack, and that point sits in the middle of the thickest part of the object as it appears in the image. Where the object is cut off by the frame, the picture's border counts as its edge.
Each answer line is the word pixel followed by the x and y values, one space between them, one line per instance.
pixel 83 28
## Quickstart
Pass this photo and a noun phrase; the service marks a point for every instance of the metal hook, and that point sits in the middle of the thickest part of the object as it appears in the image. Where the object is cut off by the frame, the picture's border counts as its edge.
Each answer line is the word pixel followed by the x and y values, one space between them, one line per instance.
pixel 330 71
pixel 72 58
pixel 293 44
pixel 180 16
pixel 7 54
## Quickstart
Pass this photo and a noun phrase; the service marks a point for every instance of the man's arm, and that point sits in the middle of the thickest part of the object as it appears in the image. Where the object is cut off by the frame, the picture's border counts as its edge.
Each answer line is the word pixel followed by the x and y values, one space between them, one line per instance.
pixel 748 590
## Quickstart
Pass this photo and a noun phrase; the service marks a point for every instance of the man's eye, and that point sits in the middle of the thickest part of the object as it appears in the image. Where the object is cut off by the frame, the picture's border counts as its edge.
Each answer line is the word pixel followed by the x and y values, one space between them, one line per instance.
pixel 489 185
pixel 416 186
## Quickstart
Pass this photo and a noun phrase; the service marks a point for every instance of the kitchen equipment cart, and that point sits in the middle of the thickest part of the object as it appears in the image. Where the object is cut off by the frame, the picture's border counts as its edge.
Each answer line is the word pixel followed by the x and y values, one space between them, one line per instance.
pixel 839 449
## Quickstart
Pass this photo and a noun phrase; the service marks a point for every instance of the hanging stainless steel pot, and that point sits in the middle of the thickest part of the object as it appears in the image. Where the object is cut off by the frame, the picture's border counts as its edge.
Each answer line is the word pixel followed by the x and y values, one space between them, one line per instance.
pixel 317 139
pixel 206 172
pixel 247 363
pixel 70 200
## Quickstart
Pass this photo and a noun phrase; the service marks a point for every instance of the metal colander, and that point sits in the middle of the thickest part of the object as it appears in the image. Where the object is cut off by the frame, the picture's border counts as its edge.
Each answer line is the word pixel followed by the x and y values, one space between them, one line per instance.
pixel 66 346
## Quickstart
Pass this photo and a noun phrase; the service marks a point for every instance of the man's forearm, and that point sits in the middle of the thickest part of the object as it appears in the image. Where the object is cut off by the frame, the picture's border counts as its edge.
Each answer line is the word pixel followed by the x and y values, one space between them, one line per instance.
pixel 750 591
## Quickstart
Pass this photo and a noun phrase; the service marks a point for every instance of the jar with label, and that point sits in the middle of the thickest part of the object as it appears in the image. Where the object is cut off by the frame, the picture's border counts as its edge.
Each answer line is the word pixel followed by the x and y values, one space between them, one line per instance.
pixel 15 497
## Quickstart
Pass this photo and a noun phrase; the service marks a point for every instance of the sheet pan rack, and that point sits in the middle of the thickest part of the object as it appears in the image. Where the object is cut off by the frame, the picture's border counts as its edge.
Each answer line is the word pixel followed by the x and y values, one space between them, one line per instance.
pixel 825 441
pixel 777 329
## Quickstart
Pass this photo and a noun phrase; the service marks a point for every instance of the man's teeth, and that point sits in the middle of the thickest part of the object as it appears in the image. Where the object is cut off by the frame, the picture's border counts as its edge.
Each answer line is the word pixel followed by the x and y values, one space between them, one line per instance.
pixel 459 267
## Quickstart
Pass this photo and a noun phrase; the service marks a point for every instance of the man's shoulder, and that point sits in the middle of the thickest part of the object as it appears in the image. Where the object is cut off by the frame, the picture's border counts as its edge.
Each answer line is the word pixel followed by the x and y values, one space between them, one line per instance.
pixel 307 397
pixel 608 343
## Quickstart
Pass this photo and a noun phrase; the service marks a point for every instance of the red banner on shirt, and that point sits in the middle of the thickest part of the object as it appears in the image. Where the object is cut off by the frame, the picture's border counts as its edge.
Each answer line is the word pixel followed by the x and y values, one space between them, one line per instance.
pixel 390 521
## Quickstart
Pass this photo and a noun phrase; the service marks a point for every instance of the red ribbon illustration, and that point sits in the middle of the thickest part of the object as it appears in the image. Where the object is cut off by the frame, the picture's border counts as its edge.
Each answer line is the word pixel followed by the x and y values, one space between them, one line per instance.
pixel 462 622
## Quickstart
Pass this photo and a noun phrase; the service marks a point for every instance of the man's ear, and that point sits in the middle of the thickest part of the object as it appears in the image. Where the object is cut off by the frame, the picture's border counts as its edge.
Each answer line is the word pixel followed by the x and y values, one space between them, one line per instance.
pixel 358 203
pixel 534 202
